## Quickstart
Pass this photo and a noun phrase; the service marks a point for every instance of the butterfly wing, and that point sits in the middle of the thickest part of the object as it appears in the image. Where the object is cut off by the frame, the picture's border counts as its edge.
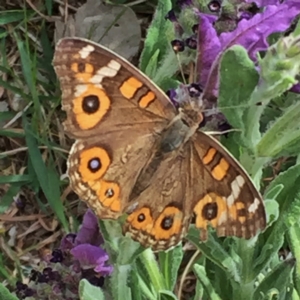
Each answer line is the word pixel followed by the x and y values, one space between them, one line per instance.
pixel 115 113
pixel 159 217
pixel 101 88
pixel 200 182
pixel 224 195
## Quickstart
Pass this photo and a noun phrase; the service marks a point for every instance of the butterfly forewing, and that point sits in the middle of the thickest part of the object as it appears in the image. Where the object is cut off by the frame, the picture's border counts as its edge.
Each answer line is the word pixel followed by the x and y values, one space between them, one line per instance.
pixel 103 92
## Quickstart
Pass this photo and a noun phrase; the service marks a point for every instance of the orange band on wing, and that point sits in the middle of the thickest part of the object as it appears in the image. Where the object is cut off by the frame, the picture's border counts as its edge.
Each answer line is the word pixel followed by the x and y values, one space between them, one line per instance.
pixel 129 87
pixel 209 156
pixel 220 170
pixel 146 100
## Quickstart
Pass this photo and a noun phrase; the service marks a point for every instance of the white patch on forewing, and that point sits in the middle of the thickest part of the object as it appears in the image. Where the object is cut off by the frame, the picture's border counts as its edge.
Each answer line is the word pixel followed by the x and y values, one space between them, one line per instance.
pixel 114 65
pixel 86 51
pixel 253 207
pixel 236 187
pixel 110 70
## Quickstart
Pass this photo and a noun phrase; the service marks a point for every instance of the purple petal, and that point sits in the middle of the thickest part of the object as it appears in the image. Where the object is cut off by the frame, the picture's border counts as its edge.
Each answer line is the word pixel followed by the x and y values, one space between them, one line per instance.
pixel 88 254
pixel 296 88
pixel 252 34
pixel 89 233
pixel 211 18
pixel 68 242
pixel 91 257
pixel 104 270
pixel 208 48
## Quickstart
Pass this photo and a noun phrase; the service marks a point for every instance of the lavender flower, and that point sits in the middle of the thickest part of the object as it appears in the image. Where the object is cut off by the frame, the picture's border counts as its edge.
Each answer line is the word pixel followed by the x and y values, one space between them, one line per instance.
pixel 253 23
pixel 79 256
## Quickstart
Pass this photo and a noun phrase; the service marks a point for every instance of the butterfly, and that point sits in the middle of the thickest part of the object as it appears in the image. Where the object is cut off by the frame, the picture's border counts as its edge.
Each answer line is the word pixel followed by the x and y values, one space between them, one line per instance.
pixel 135 153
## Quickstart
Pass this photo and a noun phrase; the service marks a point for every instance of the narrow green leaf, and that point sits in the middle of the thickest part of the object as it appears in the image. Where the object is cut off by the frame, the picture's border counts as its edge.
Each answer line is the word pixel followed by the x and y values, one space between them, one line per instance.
pixel 278 278
pixel 5 293
pixel 294 243
pixel 134 284
pixel 28 66
pixel 148 259
pixel 88 291
pixel 158 36
pixel 167 295
pixel 283 136
pixel 207 285
pixel 273 237
pixel 169 263
pixel 46 176
pixel 118 282
pixel 15 179
pixel 9 16
pixel 214 251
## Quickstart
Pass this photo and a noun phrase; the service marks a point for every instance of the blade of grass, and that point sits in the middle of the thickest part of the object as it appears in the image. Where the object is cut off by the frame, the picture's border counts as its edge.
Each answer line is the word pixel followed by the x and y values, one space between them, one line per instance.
pixel 46 175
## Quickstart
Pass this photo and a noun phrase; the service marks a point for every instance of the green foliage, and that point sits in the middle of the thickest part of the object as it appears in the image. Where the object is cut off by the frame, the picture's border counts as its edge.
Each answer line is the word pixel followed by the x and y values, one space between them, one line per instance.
pixel 5 294
pixel 88 291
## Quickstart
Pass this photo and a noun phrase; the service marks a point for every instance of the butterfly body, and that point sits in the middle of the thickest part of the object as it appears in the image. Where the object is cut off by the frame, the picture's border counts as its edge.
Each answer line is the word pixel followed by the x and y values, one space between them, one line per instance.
pixel 135 153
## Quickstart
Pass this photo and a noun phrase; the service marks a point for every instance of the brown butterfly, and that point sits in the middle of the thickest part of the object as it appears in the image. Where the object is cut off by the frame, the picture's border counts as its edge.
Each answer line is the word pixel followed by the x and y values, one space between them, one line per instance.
pixel 136 154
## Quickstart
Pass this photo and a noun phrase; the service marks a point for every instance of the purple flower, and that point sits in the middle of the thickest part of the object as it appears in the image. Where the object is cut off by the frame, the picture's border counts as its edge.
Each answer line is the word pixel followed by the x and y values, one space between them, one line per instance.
pixel 89 231
pixel 92 257
pixel 79 256
pixel 251 34
pixel 85 246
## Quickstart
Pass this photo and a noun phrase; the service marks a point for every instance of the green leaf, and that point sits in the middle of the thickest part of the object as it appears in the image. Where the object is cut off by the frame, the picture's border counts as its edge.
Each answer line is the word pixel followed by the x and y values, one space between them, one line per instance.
pixel 88 291
pixel 273 237
pixel 25 178
pixel 207 286
pixel 238 79
pixel 278 71
pixel 46 175
pixel 294 243
pixel 149 261
pixel 283 137
pixel 9 16
pixel 170 262
pixel 157 39
pixel 214 251
pixel 167 295
pixel 118 282
pixel 28 70
pixel 5 293
pixel 134 284
pixel 277 279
